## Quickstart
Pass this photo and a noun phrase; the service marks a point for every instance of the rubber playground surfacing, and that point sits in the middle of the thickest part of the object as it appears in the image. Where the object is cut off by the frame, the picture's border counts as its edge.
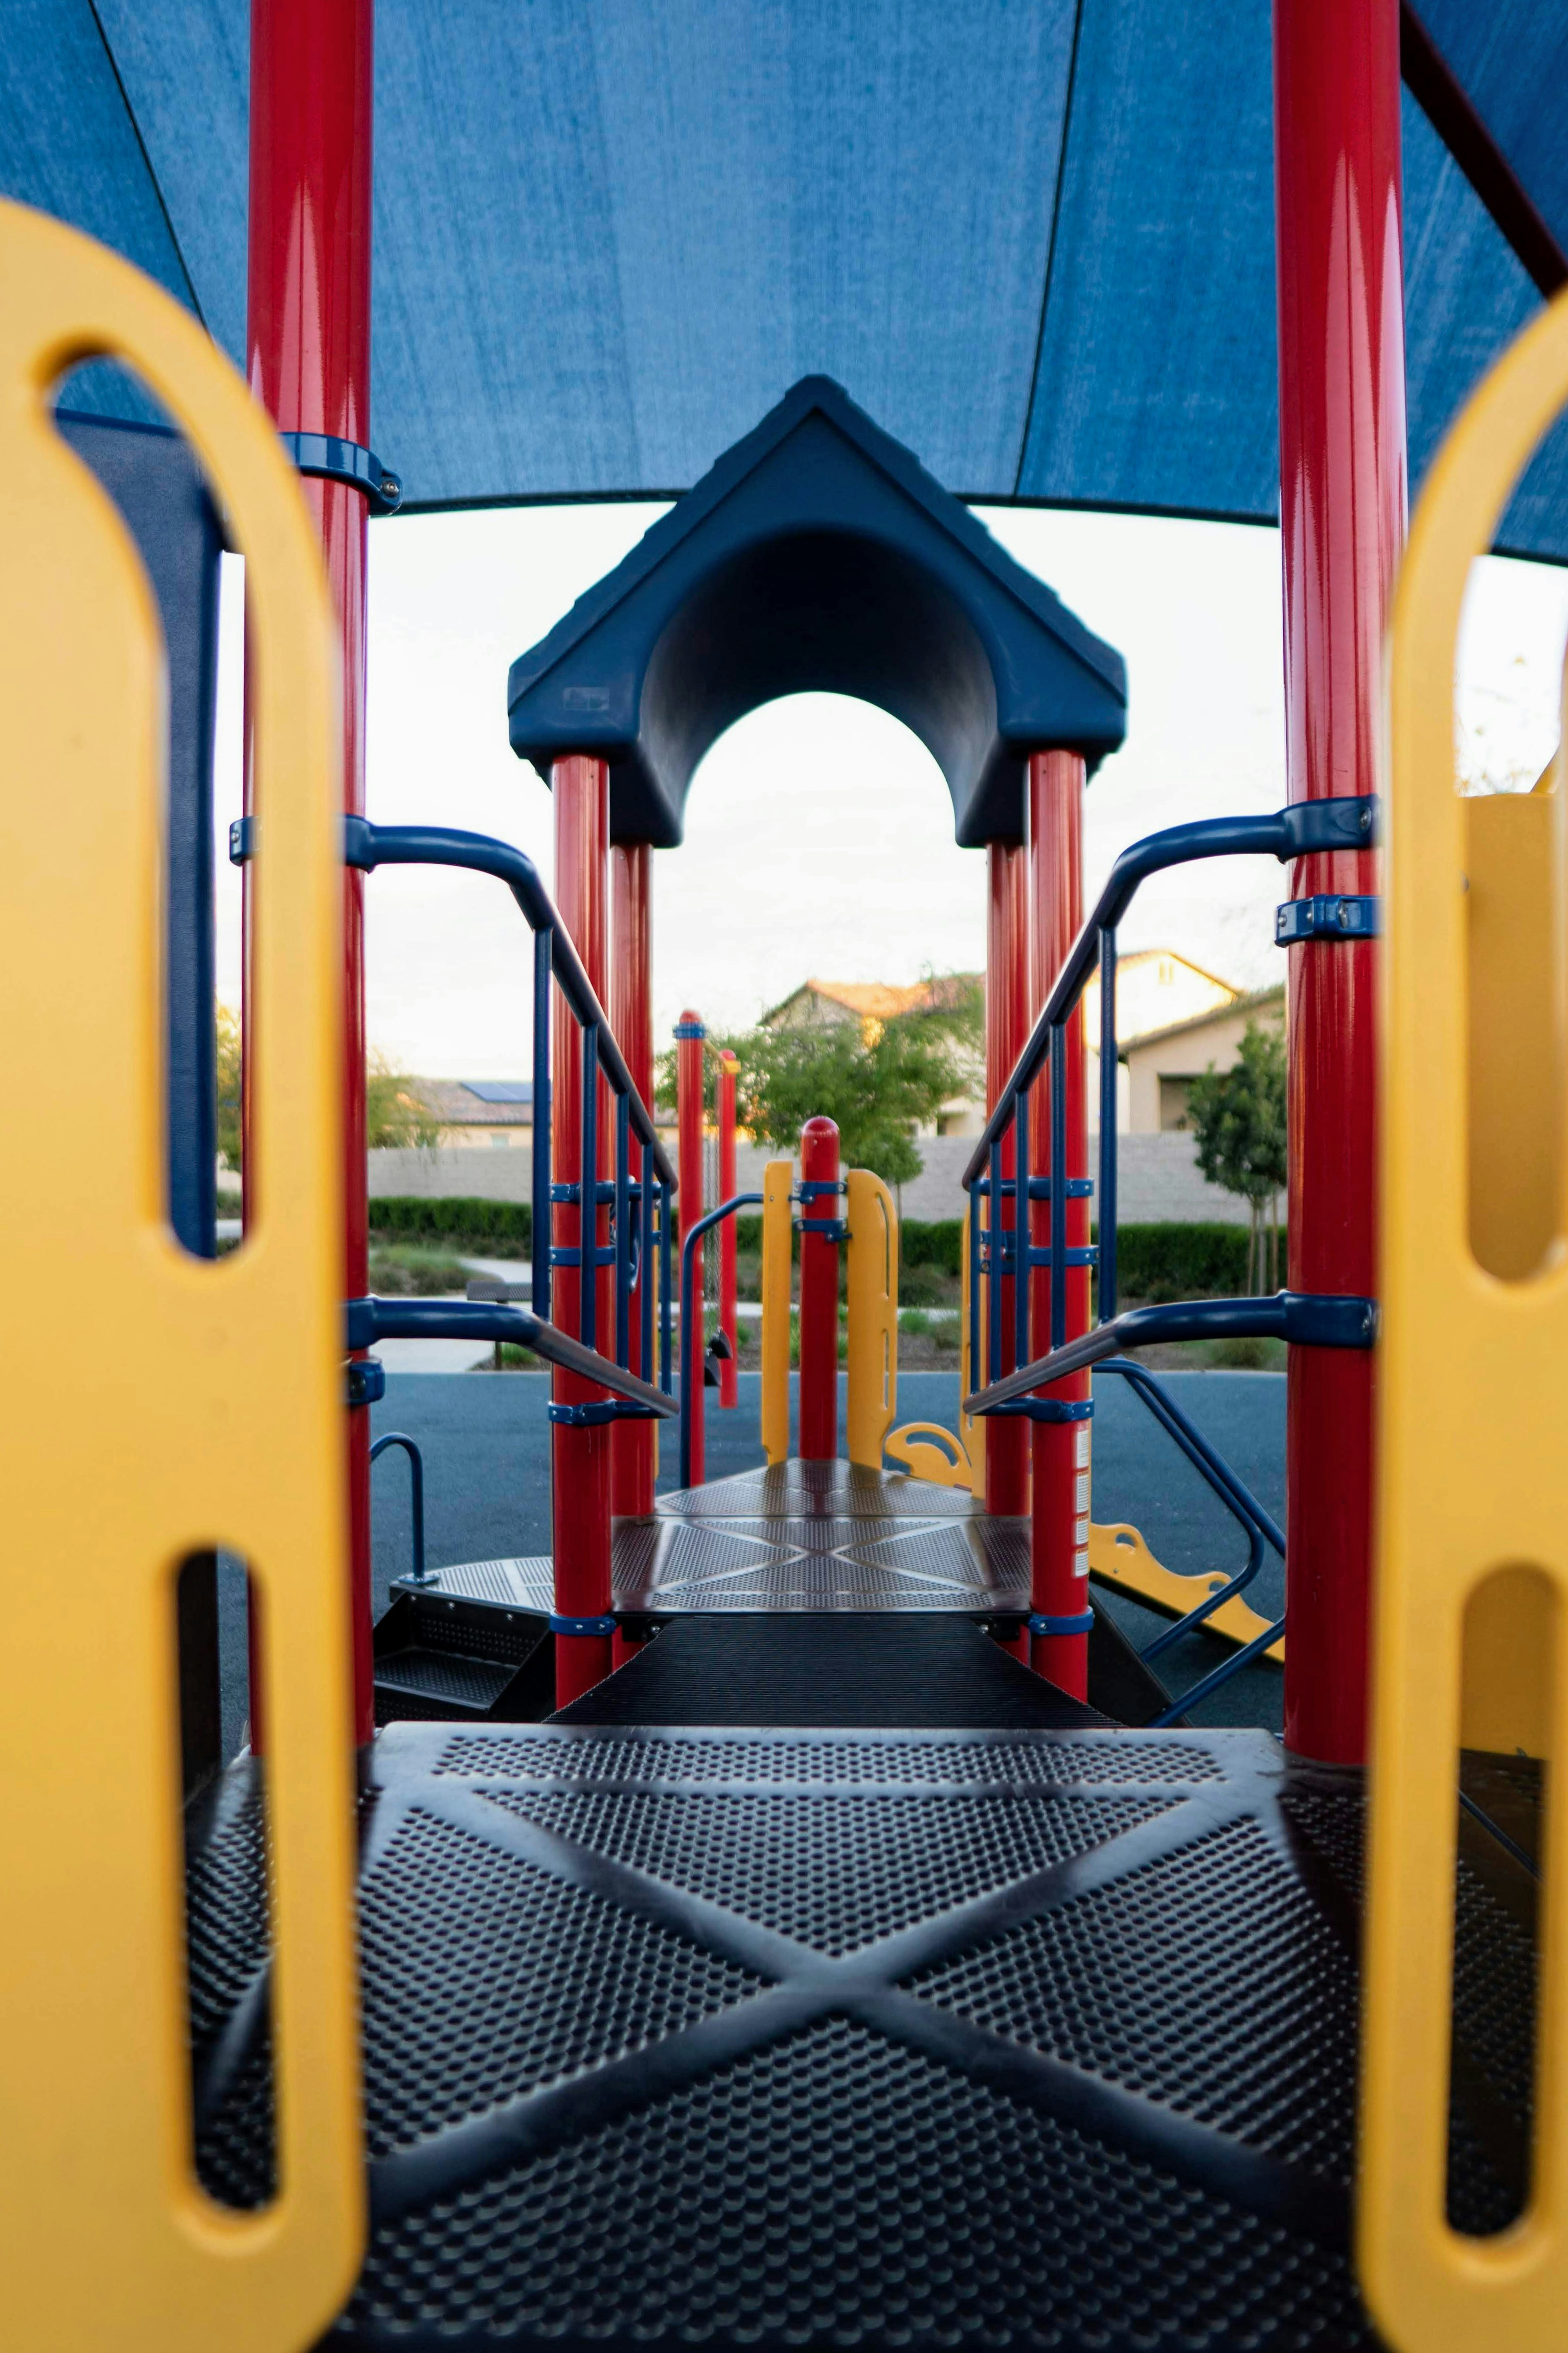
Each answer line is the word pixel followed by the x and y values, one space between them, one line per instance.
pixel 486 1444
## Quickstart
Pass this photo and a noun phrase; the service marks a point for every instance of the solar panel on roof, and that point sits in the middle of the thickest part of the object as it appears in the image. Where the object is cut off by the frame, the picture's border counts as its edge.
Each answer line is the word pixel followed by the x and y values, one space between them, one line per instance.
pixel 500 1090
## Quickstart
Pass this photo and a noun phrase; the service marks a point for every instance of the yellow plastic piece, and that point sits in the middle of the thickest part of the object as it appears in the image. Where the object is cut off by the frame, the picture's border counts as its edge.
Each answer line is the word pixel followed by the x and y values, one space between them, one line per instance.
pixel 1119 1555
pixel 778 1242
pixel 927 1451
pixel 873 1288
pixel 971 1432
pixel 155 1404
pixel 1472 1464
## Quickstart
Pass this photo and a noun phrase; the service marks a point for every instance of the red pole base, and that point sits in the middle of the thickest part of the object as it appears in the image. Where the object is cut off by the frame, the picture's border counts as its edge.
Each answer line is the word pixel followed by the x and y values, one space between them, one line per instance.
pixel 580 1662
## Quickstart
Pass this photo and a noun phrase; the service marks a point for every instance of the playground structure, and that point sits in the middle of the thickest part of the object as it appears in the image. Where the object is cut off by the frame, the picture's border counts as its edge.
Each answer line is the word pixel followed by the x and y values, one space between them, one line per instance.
pixel 815 1973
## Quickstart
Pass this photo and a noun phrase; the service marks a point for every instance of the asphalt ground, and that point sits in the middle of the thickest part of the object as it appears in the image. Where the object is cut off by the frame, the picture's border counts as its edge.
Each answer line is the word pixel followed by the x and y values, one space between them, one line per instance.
pixel 486 1447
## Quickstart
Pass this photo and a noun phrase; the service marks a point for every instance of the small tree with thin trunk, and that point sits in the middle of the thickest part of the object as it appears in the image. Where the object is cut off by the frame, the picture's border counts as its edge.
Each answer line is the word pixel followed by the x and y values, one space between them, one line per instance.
pixel 1239 1118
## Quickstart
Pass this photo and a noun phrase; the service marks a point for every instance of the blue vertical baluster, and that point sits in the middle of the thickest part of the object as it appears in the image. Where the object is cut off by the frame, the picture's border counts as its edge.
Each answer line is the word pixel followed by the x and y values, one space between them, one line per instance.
pixel 993 1268
pixel 666 1384
pixel 645 1260
pixel 1022 1216
pixel 1107 1204
pixel 623 1230
pixel 539 1300
pixel 1058 1185
pixel 977 1369
pixel 588 1193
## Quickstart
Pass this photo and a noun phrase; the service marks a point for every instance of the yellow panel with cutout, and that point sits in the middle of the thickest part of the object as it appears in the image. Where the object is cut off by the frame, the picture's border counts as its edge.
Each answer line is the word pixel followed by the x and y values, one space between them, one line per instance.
pixel 778 1244
pixel 153 1404
pixel 1473 1404
pixel 1119 1555
pixel 872 1282
pixel 927 1451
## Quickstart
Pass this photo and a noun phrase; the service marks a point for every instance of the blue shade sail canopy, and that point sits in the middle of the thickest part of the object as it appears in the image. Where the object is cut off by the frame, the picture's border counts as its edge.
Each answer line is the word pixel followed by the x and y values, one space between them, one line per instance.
pixel 1034 238
pixel 816 555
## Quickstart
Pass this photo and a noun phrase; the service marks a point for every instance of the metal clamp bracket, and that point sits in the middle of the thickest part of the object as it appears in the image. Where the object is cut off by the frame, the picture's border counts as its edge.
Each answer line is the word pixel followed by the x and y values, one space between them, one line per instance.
pixel 1329 916
pixel 1047 1409
pixel 366 1381
pixel 600 1626
pixel 1082 1623
pixel 596 1411
pixel 242 841
pixel 1346 821
pixel 333 459
pixel 689 1030
pixel 833 1230
pixel 1042 1255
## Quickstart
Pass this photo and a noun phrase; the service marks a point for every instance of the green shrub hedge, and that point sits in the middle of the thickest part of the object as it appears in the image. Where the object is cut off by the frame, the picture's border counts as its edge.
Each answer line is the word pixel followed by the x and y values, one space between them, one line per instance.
pixel 1169 1260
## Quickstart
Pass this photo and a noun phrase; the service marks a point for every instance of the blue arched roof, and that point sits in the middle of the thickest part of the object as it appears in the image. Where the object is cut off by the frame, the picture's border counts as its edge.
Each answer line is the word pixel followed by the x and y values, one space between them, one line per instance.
pixel 1033 237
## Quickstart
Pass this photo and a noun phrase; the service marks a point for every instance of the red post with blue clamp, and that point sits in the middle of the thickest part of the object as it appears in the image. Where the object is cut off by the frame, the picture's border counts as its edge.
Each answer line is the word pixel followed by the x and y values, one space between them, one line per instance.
pixel 821 1232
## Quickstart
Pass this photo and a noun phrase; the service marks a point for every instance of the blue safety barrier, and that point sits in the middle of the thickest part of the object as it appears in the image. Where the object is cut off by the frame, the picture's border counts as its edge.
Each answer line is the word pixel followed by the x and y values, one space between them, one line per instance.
pixel 691 1355
pixel 420 1575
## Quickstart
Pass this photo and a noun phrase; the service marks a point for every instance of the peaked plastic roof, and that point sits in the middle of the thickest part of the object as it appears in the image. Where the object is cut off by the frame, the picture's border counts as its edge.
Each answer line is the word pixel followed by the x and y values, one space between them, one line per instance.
pixel 816 555
pixel 1032 237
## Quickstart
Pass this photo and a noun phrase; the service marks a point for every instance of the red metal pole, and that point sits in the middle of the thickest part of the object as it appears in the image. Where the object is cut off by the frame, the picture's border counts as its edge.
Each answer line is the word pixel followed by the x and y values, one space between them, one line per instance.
pixel 729 1371
pixel 1060 1527
pixel 1006 1028
pixel 688 1075
pixel 631 1013
pixel 1342 511
pixel 580 1458
pixel 308 338
pixel 819 1296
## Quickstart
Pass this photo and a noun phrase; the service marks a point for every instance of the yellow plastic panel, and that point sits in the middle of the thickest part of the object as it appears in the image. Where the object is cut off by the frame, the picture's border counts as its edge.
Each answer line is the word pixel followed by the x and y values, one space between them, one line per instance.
pixel 1472 1464
pixel 152 1404
pixel 778 1242
pixel 873 1287
pixel 1119 1555
pixel 927 1451
pixel 971 1433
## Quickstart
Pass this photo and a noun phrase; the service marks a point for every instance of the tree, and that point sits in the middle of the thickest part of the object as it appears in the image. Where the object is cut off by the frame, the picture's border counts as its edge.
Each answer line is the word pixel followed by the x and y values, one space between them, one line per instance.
pixel 1239 1118
pixel 394 1112
pixel 878 1080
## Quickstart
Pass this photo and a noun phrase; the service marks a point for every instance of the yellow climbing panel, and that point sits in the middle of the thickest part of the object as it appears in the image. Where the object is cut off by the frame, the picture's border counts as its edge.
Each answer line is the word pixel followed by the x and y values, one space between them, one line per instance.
pixel 872 1282
pixel 1473 1404
pixel 154 1405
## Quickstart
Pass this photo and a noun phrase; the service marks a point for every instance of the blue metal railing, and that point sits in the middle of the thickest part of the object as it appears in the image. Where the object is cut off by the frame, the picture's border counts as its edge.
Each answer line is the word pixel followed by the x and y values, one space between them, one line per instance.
pixel 639 1205
pixel 693 1349
pixel 420 1575
pixel 1003 1252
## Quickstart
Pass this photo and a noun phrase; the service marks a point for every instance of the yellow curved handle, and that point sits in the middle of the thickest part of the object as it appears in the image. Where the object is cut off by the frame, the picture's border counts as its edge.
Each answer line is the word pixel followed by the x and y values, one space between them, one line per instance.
pixel 158 1404
pixel 872 1283
pixel 1472 1469
pixel 927 1451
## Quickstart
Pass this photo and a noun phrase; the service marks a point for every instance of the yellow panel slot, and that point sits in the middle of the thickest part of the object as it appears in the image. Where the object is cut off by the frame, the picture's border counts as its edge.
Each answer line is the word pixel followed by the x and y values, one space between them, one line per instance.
pixel 778 1242
pixel 1473 1388
pixel 873 1286
pixel 971 1376
pixel 162 1404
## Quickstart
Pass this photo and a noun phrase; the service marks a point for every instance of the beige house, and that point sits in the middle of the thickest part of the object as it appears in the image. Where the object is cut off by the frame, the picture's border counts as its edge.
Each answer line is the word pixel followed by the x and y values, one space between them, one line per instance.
pixel 1160 1067
pixel 479 1111
pixel 826 1003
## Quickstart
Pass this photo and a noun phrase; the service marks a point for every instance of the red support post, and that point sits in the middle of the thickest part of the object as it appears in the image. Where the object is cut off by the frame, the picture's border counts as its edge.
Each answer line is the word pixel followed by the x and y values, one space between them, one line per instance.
pixel 1007 1030
pixel 728 1370
pixel 1060 1524
pixel 632 1443
pixel 689 1036
pixel 580 1458
pixel 307 344
pixel 1343 514
pixel 818 1295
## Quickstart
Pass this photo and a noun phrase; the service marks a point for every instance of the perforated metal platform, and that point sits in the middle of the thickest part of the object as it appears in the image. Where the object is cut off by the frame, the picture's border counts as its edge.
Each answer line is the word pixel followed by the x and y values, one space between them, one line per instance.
pixel 834 2038
pixel 803 1535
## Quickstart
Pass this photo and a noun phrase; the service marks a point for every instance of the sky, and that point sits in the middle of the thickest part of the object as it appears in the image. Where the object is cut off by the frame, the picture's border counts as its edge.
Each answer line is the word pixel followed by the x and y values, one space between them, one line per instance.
pixel 819 831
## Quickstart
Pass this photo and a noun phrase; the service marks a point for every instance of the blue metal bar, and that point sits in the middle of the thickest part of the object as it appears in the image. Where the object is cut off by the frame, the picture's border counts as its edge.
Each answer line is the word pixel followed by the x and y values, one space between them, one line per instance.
pixel 1220 1675
pixel 368 846
pixel 665 1302
pixel 1214 1466
pixel 692 1336
pixel 588 1196
pixel 543 945
pixel 974 1281
pixel 370 1320
pixel 623 1233
pixel 645 1259
pixel 1107 1290
pixel 1305 1319
pixel 421 1576
pixel 1022 1218
pixel 1347 822
pixel 1058 1083
pixel 994 1248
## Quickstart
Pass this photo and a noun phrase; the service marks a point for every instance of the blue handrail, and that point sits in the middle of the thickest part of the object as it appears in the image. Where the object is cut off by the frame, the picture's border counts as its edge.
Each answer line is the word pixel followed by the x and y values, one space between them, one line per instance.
pixel 691 1352
pixel 1000 1250
pixel 420 1575
pixel 631 1200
